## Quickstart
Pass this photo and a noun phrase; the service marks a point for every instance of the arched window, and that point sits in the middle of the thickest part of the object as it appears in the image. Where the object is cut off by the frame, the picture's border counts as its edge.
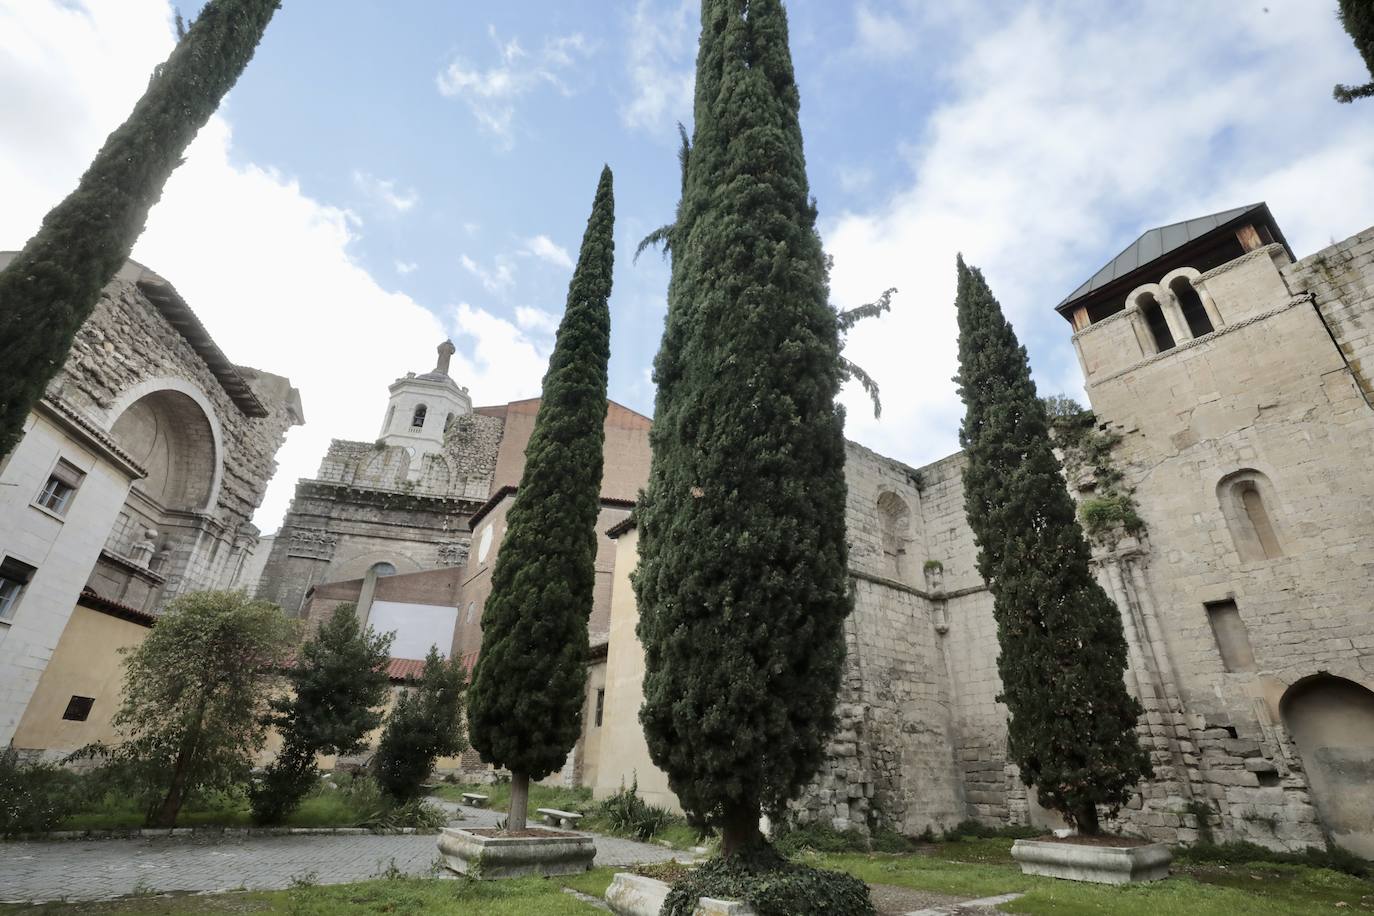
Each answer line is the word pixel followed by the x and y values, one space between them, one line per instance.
pixel 448 423
pixel 383 569
pixel 1246 498
pixel 1194 312
pixel 417 421
pixel 894 520
pixel 1156 322
pixel 1331 720
pixel 390 415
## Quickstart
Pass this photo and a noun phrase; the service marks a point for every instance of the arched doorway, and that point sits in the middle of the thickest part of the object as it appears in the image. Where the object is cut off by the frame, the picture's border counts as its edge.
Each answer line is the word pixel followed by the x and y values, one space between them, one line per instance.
pixel 1331 720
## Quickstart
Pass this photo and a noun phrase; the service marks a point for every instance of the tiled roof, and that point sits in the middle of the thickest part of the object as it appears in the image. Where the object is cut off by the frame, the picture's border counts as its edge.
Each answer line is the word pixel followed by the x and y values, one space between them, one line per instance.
pixel 90 598
pixel 1155 244
pixel 405 669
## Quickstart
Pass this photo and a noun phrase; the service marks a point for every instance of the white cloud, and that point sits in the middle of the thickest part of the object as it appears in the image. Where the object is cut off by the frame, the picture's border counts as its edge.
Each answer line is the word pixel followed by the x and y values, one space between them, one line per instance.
pixel 537 320
pixel 496 280
pixel 1063 131
pixel 405 268
pixel 266 267
pixel 546 249
pixel 386 192
pixel 882 34
pixel 493 92
pixel 662 48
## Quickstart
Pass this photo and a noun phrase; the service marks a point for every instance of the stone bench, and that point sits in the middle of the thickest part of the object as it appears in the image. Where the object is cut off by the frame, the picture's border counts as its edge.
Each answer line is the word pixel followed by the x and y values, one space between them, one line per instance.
pixel 555 818
pixel 475 800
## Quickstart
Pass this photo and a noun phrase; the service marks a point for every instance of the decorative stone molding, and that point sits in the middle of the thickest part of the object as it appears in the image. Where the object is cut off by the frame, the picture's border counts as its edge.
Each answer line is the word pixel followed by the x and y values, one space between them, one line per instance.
pixel 313 543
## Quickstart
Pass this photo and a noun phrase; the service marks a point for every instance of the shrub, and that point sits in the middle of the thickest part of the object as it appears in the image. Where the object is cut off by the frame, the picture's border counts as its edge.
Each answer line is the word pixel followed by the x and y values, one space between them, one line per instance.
pixel 1241 853
pixel 34 797
pixel 425 724
pixel 977 830
pixel 772 886
pixel 791 839
pixel 629 815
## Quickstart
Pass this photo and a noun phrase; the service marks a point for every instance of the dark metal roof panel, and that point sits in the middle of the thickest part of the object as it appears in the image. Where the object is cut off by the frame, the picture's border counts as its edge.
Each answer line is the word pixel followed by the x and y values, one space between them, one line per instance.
pixel 1153 245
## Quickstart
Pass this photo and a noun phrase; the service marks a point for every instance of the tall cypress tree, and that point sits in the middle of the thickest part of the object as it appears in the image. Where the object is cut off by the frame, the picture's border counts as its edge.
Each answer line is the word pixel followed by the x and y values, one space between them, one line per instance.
pixel 525 702
pixel 51 287
pixel 741 582
pixel 1072 723
pixel 1358 18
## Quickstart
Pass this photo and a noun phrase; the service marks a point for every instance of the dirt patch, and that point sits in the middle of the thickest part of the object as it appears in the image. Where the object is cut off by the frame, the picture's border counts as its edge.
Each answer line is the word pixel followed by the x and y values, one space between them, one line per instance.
pixel 528 832
pixel 1117 842
pixel 890 900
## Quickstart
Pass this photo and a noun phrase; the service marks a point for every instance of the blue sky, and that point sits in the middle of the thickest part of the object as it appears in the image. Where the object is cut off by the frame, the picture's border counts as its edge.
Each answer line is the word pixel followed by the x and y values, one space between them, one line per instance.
pixel 387 174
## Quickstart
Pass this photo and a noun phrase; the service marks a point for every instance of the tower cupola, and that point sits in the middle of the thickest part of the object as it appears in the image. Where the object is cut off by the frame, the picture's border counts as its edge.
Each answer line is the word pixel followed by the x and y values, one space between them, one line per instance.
pixel 422 407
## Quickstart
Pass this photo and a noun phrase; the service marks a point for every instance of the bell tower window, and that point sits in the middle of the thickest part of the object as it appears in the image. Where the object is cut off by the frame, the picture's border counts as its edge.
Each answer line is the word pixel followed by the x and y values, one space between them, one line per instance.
pixel 1156 322
pixel 1194 312
pixel 417 421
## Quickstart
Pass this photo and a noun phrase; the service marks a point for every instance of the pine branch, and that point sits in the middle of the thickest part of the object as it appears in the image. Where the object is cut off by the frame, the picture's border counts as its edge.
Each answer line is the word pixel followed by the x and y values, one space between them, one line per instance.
pixel 854 372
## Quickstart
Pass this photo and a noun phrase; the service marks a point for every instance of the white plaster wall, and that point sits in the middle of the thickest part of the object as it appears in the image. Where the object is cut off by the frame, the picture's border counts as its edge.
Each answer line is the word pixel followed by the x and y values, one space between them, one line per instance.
pixel 417 627
pixel 63 551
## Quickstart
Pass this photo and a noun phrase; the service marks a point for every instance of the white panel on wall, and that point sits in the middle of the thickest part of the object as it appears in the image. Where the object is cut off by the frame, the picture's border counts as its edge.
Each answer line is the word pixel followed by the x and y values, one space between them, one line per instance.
pixel 417 627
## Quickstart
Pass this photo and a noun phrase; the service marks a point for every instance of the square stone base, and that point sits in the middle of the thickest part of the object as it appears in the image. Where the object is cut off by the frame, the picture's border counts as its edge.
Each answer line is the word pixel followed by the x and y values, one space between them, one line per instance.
pixel 516 857
pixel 1099 864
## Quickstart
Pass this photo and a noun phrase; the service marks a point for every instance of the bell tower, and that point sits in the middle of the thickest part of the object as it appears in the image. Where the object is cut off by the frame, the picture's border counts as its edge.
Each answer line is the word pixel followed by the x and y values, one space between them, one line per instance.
pixel 422 406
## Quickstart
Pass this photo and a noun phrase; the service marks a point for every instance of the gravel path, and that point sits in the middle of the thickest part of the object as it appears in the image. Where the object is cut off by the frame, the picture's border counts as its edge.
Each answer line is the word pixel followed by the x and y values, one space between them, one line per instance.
pixel 96 869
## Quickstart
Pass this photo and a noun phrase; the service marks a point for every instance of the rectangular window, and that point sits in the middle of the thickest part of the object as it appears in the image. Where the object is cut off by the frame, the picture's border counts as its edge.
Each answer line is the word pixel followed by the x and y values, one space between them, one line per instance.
pixel 1233 640
pixel 14 576
pixel 600 706
pixel 78 709
pixel 65 480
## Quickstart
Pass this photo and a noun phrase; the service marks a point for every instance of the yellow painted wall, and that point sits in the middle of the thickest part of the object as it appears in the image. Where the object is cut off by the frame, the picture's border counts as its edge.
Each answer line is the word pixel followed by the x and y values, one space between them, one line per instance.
pixel 622 755
pixel 87 662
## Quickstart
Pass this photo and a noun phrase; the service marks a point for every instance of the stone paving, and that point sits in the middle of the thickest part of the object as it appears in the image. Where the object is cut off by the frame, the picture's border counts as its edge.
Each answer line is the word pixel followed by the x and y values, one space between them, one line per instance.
pixel 95 869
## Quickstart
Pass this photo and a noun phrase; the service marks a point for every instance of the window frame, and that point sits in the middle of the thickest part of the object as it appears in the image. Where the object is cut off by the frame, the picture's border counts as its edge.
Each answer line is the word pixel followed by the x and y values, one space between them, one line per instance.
pixel 78 712
pixel 15 578
pixel 60 488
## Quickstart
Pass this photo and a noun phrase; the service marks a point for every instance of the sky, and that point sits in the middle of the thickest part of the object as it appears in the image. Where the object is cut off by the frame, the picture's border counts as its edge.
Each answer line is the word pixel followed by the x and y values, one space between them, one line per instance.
pixel 386 175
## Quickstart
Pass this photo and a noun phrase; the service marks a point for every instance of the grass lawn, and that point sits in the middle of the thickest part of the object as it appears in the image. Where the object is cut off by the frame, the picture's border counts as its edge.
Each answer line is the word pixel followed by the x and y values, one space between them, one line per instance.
pixel 982 868
pixel 523 897
pixel 315 811
pixel 676 835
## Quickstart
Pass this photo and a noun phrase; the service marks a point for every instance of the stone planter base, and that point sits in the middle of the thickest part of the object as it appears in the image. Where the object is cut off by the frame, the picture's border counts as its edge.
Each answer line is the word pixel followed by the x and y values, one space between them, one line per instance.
pixel 516 857
pixel 1099 864
pixel 635 895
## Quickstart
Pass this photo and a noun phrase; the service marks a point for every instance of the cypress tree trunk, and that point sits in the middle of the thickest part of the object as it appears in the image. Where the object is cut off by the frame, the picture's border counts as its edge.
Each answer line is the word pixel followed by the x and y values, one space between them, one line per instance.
pixel 742 582
pixel 51 287
pixel 519 803
pixel 525 702
pixel 1358 18
pixel 1072 724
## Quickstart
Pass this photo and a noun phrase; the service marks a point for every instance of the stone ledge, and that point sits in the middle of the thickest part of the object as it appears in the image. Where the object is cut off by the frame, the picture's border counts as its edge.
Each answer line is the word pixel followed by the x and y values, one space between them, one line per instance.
pixel 636 895
pixel 1098 864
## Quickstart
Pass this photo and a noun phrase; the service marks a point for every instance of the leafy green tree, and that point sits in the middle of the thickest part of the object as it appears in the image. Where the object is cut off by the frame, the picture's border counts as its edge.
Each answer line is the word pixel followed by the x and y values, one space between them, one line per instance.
pixel 195 696
pixel 525 704
pixel 1072 723
pixel 51 287
pixel 1358 18
pixel 742 581
pixel 425 724
pixel 338 686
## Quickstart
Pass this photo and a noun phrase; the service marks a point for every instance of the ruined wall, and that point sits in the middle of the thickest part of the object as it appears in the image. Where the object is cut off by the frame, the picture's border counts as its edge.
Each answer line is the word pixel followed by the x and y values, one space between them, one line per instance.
pixel 890 762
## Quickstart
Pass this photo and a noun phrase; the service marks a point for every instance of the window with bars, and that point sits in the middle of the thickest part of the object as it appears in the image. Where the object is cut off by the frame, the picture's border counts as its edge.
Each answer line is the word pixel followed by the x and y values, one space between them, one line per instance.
pixel 14 578
pixel 56 495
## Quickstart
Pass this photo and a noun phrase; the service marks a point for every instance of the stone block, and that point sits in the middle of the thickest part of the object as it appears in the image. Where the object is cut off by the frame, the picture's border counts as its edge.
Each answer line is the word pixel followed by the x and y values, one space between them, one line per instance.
pixel 1260 765
pixel 482 856
pixel 1097 864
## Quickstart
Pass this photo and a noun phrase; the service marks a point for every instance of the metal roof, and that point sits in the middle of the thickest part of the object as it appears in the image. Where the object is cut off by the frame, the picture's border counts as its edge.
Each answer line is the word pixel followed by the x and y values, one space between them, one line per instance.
pixel 1154 245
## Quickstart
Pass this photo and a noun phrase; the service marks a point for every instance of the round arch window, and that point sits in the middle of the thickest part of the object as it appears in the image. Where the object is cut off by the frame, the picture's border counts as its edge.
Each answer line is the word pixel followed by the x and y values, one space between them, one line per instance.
pixel 383 569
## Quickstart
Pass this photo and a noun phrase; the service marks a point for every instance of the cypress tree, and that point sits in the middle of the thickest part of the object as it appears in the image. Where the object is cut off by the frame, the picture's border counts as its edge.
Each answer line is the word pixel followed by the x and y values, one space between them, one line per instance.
pixel 338 686
pixel 525 702
pixel 52 286
pixel 1358 18
pixel 741 582
pixel 1072 723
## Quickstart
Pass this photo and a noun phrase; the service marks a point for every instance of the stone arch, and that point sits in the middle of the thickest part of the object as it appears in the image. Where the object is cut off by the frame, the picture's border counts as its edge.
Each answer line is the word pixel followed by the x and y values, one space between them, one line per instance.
pixel 358 565
pixel 1331 721
pixel 170 428
pixel 417 419
pixel 894 522
pixel 1149 303
pixel 1248 503
pixel 1194 302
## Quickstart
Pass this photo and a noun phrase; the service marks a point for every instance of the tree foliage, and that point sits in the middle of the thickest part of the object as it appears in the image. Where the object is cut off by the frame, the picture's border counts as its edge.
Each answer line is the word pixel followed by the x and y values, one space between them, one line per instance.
pixel 1072 723
pixel 425 724
pixel 195 696
pixel 741 583
pixel 525 706
pixel 338 685
pixel 51 287
pixel 1358 18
